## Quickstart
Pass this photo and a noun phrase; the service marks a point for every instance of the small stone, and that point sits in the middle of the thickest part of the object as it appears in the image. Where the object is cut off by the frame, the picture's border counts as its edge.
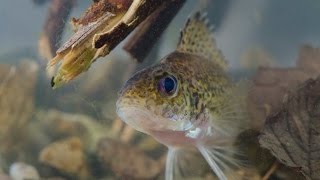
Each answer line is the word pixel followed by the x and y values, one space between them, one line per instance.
pixel 127 161
pixel 66 155
pixel 22 171
pixel 62 125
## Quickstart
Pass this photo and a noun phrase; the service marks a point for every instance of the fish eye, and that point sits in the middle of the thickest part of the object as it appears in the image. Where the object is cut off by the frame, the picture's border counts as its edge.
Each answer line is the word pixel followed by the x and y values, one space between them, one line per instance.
pixel 168 85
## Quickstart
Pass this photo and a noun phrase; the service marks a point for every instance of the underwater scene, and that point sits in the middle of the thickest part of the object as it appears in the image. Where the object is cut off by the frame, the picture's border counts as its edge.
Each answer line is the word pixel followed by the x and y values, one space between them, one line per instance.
pixel 159 90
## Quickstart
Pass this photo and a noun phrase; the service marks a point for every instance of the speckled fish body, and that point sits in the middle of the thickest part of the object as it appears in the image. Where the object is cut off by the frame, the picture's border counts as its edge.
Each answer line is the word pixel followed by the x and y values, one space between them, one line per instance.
pixel 186 100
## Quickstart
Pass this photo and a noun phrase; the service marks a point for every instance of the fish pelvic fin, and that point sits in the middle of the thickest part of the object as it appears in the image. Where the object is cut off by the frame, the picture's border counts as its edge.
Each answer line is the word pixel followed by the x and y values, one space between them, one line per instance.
pixel 172 167
pixel 222 159
pixel 197 38
pixel 184 163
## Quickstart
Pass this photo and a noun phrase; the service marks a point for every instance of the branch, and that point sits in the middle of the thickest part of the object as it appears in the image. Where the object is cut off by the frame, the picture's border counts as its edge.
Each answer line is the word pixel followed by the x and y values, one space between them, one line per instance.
pixel 103 26
pixel 151 29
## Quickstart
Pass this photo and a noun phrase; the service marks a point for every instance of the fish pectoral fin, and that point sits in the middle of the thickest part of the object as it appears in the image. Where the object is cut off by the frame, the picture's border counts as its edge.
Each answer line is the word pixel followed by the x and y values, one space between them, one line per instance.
pixel 230 115
pixel 197 38
pixel 221 159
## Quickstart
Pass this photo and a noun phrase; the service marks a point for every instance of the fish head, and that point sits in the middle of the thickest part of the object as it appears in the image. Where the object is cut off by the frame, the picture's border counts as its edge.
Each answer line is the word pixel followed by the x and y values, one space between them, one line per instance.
pixel 158 98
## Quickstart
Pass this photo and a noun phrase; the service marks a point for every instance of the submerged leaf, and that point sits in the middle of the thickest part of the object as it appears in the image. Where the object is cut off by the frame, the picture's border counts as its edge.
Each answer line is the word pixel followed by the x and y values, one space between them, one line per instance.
pixel 270 84
pixel 293 134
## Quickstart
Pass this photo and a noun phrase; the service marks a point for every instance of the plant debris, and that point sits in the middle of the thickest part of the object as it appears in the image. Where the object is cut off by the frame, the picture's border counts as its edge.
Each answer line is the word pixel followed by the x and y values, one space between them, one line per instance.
pixel 270 84
pixel 293 134
pixel 150 30
pixel 104 25
pixel 49 41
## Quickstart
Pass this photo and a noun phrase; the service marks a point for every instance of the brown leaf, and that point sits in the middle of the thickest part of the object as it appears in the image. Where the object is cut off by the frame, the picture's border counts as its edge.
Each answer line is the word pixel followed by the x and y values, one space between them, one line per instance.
pixel 309 60
pixel 293 134
pixel 271 84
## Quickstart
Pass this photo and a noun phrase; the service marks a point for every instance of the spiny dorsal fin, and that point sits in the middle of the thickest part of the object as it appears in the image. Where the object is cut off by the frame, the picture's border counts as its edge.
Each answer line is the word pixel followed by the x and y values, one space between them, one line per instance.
pixel 197 38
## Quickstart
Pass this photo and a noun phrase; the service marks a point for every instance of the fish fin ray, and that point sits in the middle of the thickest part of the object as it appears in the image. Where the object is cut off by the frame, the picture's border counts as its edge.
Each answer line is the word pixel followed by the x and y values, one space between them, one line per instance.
pixel 197 38
pixel 221 159
pixel 172 171
pixel 184 163
pixel 231 113
pixel 212 161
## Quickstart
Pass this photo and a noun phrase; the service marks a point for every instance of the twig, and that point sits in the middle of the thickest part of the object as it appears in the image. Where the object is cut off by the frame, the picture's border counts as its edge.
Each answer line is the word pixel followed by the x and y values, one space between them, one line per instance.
pixel 273 168
pixel 58 14
pixel 150 30
pixel 102 34
pixel 127 134
pixel 117 126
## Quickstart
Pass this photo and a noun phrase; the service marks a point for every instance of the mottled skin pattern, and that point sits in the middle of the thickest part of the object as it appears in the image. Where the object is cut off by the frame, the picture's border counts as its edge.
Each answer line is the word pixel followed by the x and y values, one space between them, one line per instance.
pixel 188 102
pixel 200 84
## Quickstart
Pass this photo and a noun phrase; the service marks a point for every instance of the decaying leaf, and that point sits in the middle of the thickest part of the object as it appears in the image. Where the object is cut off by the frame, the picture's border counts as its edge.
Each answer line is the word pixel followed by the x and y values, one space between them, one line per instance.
pixel 293 134
pixel 271 84
pixel 104 25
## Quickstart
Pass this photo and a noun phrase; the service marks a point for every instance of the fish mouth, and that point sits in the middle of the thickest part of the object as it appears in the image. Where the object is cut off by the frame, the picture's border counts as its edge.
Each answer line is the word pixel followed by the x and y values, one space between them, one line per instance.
pixel 141 119
pixel 144 120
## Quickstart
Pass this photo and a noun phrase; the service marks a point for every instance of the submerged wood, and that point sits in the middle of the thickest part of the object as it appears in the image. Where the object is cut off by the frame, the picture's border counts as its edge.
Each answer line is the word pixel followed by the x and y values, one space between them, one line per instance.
pixel 49 42
pixel 150 30
pixel 104 25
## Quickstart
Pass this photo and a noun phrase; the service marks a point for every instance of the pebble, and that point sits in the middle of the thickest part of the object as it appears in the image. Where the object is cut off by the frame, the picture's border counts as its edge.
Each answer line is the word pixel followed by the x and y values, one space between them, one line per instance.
pixel 127 162
pixel 66 155
pixel 22 171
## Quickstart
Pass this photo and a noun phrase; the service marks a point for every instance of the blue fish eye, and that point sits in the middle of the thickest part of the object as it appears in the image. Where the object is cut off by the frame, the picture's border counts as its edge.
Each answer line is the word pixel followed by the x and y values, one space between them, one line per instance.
pixel 168 85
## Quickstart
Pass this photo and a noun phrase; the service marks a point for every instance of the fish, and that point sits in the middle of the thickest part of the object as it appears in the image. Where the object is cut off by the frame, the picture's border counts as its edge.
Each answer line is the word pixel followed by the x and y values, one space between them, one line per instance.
pixel 188 101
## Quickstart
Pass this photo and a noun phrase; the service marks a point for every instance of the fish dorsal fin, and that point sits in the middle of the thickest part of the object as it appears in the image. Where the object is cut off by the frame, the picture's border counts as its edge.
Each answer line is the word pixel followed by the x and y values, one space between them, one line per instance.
pixel 197 38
